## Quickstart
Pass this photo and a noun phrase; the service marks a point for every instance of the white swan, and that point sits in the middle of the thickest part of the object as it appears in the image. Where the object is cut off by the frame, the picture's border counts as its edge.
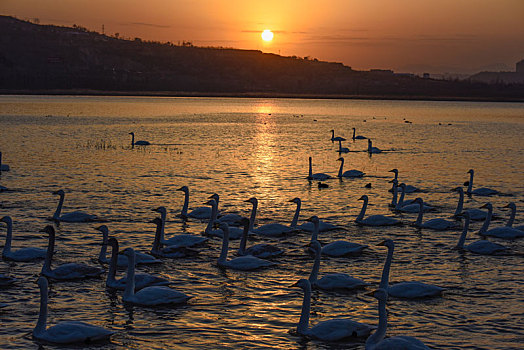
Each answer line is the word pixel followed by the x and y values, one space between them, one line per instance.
pixel 474 213
pixel 503 232
pixel 148 296
pixel 261 250
pixel 483 191
pixel 141 258
pixel 180 240
pixel 372 149
pixel 438 224
pixel 69 271
pixel 483 247
pixel 342 149
pixel 376 341
pixel 244 263
pixel 330 330
pixel 6 280
pixel 316 176
pixel 336 248
pixel 410 206
pixel 406 290
pixel 3 167
pixel 408 189
pixel 234 232
pixel 273 229
pixel 513 208
pixel 338 138
pixel 348 173
pixel 138 143
pixel 22 254
pixel 142 280
pixel 374 220
pixel 75 216
pixel 200 213
pixel 65 332
pixel 332 280
pixel 172 251
pixel 357 137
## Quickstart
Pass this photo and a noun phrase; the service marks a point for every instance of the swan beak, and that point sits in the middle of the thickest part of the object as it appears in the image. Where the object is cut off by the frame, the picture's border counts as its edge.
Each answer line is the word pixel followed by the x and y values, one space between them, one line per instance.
pixel 371 294
pixel 382 244
pixel 484 206
pixel 293 285
pixel 155 209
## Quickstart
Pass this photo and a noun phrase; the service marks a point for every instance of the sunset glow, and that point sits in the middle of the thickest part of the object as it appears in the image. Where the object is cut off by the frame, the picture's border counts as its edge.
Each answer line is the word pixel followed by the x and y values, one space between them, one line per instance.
pixel 267 35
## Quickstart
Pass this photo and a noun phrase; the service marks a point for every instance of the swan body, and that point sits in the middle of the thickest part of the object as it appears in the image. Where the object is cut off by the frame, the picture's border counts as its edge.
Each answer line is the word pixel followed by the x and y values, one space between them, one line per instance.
pixel 234 232
pixel 357 137
pixel 316 176
pixel 413 207
pixel 438 224
pixel 342 149
pixel 75 216
pixel 474 214
pixel 333 280
pixel 483 191
pixel 376 341
pixel 337 248
pixel 374 220
pixel 6 280
pixel 513 208
pixel 482 247
pixel 330 330
pixel 200 213
pixel 348 173
pixel 22 254
pixel 371 149
pixel 148 296
pixel 262 250
pixel 3 167
pixel 407 189
pixel 273 229
pixel 138 143
pixel 323 226
pixel 243 263
pixel 65 332
pixel 338 138
pixel 503 232
pixel 179 240
pixel 142 280
pixel 172 251
pixel 69 271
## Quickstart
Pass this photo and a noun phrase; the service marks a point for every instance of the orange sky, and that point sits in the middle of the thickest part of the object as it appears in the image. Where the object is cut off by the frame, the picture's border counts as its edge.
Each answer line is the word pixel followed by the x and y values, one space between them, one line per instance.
pixel 404 35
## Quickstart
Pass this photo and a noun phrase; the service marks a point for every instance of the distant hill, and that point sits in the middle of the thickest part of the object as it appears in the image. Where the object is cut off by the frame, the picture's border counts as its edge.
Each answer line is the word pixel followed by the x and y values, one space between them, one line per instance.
pixel 51 59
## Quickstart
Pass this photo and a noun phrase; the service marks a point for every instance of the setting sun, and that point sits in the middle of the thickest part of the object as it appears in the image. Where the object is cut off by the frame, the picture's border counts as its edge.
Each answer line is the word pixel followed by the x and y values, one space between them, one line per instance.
pixel 267 35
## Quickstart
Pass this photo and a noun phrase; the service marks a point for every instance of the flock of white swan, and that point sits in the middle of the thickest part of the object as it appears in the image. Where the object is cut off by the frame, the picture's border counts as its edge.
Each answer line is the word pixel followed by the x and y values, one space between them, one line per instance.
pixel 142 289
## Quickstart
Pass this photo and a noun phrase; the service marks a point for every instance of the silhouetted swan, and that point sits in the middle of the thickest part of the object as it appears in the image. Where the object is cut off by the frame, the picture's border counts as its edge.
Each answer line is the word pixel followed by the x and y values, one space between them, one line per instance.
pixel 200 213
pixel 376 341
pixel 482 246
pixel 6 280
pixel 434 224
pixel 148 296
pixel 338 138
pixel 331 280
pixel 348 173
pixel 180 240
pixel 234 232
pixel 483 191
pixel 231 218
pixel 329 330
pixel 75 216
pixel 374 220
pixel 513 208
pixel 172 251
pixel 408 189
pixel 262 250
pixel 22 254
pixel 401 201
pixel 294 222
pixel 65 332
pixel 337 248
pixel 407 207
pixel 138 143
pixel 372 149
pixel 69 271
pixel 273 229
pixel 503 232
pixel 357 137
pixel 316 176
pixel 406 290
pixel 244 263
pixel 342 149
pixel 309 226
pixel 121 261
pixel 474 213
pixel 3 167
pixel 142 280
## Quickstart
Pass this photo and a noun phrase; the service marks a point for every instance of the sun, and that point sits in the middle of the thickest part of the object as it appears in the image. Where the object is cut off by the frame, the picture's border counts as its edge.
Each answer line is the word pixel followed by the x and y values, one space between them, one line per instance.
pixel 267 35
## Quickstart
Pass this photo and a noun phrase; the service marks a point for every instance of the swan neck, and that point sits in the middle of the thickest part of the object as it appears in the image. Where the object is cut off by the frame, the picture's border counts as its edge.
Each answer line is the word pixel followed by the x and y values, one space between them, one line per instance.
pixel 132 139
pixel 395 196
pixel 341 167
pixel 225 246
pixel 186 204
pixel 470 185
pixel 103 249
pixel 363 210
pixel 303 323
pixel 354 133
pixel 316 229
pixel 384 280
pixel 130 278
pixel 253 216
pixel 420 214
pixel 460 203
pixel 41 325
pixel 512 216
pixel 310 169
pixel 464 233
pixel 162 227
pixel 294 222
pixel 112 265
pixel 380 333
pixel 212 219
pixel 316 267
pixel 243 241
pixel 401 200
pixel 8 238
pixel 158 234
pixel 484 227
pixel 49 253
pixel 56 215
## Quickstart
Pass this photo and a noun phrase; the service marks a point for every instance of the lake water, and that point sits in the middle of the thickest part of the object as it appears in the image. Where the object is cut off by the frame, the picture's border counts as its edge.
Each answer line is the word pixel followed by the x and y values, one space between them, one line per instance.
pixel 240 148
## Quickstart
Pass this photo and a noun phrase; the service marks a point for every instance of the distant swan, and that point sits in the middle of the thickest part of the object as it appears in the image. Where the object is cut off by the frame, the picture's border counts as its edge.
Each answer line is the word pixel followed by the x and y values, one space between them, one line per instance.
pixel 261 250
pixel 474 214
pixel 331 280
pixel 172 251
pixel 336 248
pixel 503 232
pixel 513 208
pixel 22 254
pixel 273 229
pixel 148 296
pixel 348 173
pixel 342 149
pixel 376 341
pixel 406 290
pixel 316 176
pixel 138 143
pixel 69 271
pixel 75 216
pixel 374 220
pixel 65 332
pixel 181 240
pixel 482 246
pixel 338 138
pixel 438 224
pixel 329 330
pixel 483 191
pixel 357 137
pixel 3 167
pixel 200 213
pixel 244 263
pixel 372 149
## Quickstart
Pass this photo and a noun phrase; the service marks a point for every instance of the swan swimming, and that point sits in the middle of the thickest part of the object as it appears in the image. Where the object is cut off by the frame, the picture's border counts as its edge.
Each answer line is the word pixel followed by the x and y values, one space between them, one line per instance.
pixel 438 224
pixel 69 271
pixel 401 201
pixel 405 290
pixel 234 232
pixel 316 176
pixel 65 332
pixel 172 251
pixel 331 280
pixel 75 216
pixel 513 208
pixel 273 229
pixel 374 220
pixel 3 167
pixel 329 330
pixel 148 296
pixel 348 173
pixel 138 143
pixel 200 213
pixel 342 149
pixel 357 137
pixel 376 341
pixel 371 149
pixel 338 138
pixel 474 213
pixel 262 250
pixel 482 246
pixel 180 240
pixel 22 254
pixel 309 226
pixel 408 189
pixel 405 207
pixel 503 232
pixel 483 191
pixel 231 218
pixel 336 248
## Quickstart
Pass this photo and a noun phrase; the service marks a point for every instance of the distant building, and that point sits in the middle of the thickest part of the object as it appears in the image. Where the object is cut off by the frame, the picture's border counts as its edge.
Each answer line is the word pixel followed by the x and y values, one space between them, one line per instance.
pixel 520 66
pixel 501 77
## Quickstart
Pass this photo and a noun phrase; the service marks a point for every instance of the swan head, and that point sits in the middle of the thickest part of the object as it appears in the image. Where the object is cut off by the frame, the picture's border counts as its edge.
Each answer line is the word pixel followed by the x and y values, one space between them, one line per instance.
pixel 387 243
pixel 380 294
pixel 363 198
pixel 316 247
pixel 7 219
pixel 103 229
pixel 419 200
pixel 295 200
pixel 132 133
pixel 252 200
pixel 302 283
pixel 50 230
pixel 211 202
pixel 340 159
pixel 214 196
pixel 393 171
pixel 509 205
pixel 183 189
pixel 161 210
pixel 471 171
pixel 224 227
pixel 113 243
pixel 458 189
pixel 129 252
pixel 59 192
pixel 488 206
pixel 313 219
pixel 42 282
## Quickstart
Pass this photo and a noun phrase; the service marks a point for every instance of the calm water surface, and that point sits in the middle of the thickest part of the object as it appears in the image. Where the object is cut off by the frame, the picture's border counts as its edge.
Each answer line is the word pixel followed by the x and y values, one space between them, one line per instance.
pixel 242 148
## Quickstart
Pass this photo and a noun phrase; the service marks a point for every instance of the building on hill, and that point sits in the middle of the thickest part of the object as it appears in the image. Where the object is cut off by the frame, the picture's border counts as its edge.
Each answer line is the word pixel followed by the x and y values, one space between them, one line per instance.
pixel 520 66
